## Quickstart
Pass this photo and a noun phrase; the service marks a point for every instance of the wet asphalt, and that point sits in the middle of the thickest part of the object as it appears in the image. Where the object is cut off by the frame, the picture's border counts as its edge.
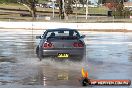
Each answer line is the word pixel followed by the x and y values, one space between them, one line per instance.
pixel 108 56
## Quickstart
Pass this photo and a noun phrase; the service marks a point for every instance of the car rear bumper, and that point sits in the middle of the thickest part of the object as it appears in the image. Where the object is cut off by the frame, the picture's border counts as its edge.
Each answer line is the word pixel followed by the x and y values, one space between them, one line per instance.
pixel 71 52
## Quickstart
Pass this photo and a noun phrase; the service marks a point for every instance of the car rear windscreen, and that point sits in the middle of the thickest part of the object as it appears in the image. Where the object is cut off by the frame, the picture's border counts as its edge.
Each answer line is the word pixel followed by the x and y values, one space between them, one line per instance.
pixel 62 34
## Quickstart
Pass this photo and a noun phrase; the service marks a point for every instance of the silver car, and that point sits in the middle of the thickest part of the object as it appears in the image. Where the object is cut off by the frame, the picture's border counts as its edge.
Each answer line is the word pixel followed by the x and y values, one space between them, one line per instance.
pixel 62 43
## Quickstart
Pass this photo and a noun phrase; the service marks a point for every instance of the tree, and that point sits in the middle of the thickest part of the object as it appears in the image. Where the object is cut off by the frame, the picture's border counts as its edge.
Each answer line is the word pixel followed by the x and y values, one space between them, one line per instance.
pixel 68 8
pixel 119 10
pixel 61 12
pixel 117 7
pixel 82 1
pixel 30 5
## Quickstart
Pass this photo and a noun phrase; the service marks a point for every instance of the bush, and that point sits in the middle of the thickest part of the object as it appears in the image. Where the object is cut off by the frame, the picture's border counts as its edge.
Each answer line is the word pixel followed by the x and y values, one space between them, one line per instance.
pixel 122 14
pixel 117 14
pixel 126 13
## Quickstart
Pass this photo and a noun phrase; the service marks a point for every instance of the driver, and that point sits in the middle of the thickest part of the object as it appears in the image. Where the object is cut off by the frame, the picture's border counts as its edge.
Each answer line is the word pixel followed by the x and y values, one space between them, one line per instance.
pixel 71 33
pixel 52 34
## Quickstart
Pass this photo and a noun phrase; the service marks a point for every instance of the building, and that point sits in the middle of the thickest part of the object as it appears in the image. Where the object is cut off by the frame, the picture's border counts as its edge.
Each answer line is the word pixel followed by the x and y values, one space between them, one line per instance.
pixel 128 4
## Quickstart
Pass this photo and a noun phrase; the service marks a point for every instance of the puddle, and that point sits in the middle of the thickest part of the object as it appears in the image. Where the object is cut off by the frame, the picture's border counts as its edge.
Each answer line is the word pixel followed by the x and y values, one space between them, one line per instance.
pixel 108 54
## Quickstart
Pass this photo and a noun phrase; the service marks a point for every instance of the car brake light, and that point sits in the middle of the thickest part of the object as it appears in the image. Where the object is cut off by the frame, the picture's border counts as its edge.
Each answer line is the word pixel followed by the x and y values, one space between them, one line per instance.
pixel 80 44
pixel 76 44
pixel 47 45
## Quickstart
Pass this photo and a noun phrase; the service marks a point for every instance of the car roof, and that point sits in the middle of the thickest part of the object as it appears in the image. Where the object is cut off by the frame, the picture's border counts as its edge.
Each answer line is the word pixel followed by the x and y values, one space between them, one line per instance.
pixel 58 29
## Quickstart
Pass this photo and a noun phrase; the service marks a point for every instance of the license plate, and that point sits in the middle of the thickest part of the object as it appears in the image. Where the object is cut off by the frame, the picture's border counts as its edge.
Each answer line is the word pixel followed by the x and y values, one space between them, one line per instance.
pixel 63 55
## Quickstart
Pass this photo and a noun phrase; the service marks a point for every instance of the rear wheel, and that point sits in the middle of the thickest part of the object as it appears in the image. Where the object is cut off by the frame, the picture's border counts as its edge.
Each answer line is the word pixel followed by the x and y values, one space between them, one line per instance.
pixel 80 58
pixel 39 53
pixel 77 58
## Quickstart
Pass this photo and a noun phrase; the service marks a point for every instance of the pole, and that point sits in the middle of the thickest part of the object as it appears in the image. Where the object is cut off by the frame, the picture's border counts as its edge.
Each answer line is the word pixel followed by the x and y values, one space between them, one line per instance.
pixel 63 8
pixel 63 5
pixel 76 9
pixel 53 8
pixel 87 10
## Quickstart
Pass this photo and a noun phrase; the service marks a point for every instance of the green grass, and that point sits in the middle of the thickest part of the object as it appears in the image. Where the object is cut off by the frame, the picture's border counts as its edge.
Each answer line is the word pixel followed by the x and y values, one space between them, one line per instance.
pixel 12 6
pixel 98 10
pixel 19 6
pixel 94 10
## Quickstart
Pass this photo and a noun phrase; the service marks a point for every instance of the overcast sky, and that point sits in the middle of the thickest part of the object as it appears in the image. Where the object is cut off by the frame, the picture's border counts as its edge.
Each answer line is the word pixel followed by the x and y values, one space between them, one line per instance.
pixel 93 1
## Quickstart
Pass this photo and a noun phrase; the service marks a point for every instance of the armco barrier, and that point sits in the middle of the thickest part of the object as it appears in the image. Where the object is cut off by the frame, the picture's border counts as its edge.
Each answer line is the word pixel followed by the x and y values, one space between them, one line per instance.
pixel 51 25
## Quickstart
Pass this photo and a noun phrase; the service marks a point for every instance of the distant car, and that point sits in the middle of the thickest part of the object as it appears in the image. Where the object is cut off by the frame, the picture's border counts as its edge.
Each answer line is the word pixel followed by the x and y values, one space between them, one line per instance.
pixel 25 15
pixel 62 43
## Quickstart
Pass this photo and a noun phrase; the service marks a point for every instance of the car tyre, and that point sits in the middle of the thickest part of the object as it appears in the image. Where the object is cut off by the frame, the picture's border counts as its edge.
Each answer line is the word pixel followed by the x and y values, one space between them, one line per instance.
pixel 39 53
pixel 80 58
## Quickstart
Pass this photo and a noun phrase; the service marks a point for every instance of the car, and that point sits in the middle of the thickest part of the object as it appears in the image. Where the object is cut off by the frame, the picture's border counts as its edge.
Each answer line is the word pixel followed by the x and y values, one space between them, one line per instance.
pixel 62 43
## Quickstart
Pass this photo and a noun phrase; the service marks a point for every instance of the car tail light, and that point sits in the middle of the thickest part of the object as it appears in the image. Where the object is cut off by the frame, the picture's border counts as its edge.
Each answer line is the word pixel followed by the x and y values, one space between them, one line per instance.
pixel 47 45
pixel 77 44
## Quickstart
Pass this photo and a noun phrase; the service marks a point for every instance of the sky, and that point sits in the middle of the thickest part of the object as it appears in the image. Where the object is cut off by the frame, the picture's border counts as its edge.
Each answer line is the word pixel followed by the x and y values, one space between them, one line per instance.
pixel 93 1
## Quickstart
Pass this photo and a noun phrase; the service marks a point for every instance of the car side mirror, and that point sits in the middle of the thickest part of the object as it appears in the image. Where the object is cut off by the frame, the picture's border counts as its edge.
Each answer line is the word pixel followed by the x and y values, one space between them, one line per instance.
pixel 83 36
pixel 38 37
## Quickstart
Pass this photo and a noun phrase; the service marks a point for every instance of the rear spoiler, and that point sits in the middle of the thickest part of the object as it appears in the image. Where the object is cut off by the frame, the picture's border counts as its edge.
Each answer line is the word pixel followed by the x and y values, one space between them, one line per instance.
pixel 63 38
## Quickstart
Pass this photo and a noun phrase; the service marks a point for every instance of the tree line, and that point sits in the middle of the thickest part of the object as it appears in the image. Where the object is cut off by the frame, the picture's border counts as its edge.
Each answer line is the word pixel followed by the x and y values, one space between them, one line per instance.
pixel 30 4
pixel 110 1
